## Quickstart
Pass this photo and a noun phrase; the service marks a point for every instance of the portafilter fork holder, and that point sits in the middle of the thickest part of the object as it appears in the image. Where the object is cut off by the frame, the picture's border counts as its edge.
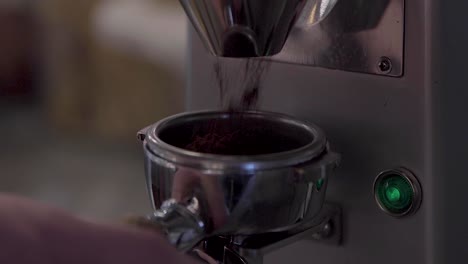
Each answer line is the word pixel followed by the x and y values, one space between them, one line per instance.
pixel 237 208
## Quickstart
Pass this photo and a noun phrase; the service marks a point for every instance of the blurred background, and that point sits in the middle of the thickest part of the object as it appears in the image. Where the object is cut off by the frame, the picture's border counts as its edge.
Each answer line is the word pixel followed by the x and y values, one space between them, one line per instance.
pixel 78 79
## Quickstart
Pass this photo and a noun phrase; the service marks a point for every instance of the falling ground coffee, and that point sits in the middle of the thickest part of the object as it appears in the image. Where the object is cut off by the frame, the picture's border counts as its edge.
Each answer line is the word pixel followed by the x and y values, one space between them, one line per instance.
pixel 239 84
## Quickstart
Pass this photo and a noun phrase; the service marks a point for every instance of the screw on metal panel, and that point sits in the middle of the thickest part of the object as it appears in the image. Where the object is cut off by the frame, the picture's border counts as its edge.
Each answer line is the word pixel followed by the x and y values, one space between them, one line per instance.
pixel 326 232
pixel 385 65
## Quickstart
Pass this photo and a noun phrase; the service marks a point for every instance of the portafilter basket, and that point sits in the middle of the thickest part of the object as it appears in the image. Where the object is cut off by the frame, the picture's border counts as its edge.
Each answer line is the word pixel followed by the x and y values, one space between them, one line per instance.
pixel 272 179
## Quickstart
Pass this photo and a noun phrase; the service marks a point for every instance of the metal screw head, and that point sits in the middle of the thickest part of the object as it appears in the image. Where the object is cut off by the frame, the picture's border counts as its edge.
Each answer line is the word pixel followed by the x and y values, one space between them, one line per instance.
pixel 326 232
pixel 385 65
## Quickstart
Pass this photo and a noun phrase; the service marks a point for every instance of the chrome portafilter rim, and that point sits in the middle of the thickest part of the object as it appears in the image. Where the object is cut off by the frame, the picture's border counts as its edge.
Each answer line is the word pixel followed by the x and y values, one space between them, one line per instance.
pixel 213 162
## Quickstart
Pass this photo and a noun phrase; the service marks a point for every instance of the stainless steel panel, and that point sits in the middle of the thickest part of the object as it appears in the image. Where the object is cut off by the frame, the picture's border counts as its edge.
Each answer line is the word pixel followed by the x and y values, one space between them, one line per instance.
pixel 379 123
pixel 448 81
pixel 376 123
pixel 357 36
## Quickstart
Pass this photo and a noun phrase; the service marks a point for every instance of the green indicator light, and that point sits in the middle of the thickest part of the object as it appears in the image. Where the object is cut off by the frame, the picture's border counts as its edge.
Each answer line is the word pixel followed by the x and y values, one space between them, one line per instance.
pixel 394 193
pixel 320 184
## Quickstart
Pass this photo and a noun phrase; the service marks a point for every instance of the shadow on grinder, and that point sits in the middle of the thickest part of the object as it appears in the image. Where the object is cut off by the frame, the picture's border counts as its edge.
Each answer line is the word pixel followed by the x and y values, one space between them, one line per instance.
pixel 265 191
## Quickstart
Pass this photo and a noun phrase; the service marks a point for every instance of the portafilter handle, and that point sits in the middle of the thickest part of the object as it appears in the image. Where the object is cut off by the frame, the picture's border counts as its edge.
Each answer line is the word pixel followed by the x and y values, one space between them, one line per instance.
pixel 177 222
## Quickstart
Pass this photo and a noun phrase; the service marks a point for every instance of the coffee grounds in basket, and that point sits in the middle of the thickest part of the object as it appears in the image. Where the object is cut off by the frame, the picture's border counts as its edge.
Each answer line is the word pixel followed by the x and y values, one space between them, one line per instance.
pixel 242 136
pixel 240 142
pixel 214 143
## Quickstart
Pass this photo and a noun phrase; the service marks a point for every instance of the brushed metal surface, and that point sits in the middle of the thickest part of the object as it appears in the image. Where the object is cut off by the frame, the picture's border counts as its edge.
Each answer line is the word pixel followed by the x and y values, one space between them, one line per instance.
pixel 353 37
pixel 447 80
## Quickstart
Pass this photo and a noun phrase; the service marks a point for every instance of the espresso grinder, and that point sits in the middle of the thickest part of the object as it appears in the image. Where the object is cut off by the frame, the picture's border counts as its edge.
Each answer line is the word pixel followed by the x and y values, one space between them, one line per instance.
pixel 364 163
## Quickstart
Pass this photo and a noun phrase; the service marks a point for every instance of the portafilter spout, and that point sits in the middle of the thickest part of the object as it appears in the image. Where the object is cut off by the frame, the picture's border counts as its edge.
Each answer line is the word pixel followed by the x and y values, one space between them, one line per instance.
pixel 250 28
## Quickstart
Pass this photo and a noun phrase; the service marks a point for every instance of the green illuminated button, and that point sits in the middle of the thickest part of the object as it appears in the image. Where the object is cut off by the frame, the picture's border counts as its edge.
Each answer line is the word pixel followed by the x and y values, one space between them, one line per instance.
pixel 395 192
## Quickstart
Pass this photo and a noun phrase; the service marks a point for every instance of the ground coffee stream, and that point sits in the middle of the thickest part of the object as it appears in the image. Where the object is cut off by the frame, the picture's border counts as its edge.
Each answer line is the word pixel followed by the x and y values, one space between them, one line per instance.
pixel 240 84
